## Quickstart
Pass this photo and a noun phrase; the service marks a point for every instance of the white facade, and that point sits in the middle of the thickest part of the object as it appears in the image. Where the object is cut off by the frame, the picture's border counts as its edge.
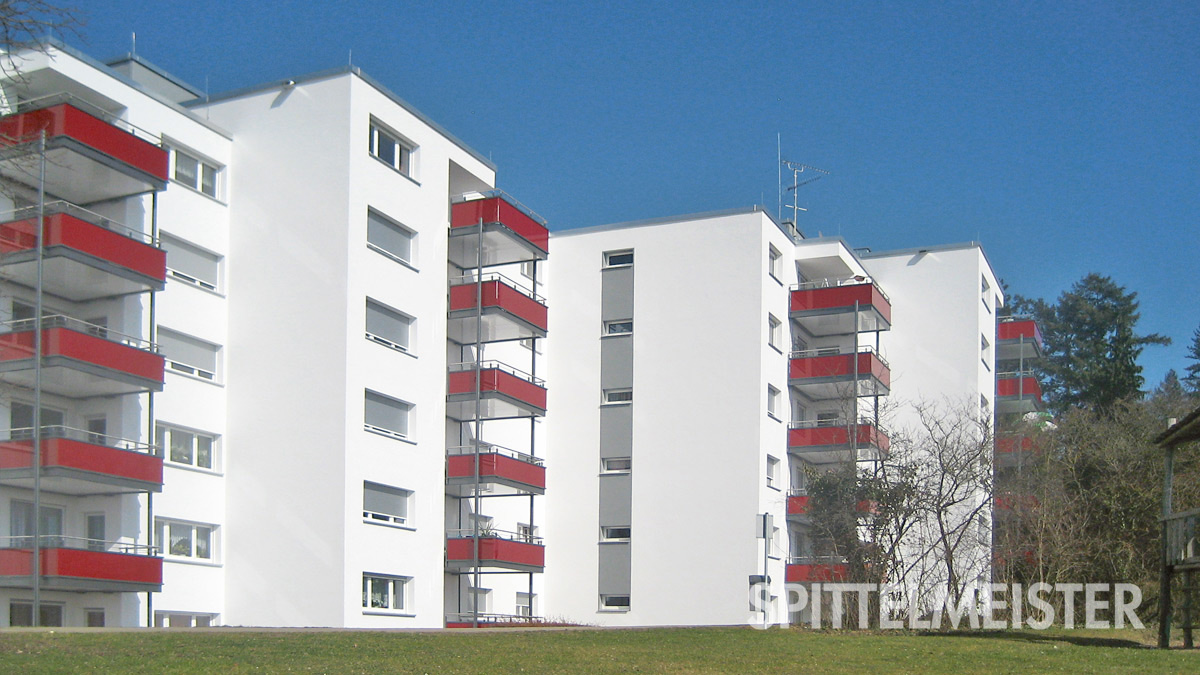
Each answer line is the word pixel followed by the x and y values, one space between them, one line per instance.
pixel 314 473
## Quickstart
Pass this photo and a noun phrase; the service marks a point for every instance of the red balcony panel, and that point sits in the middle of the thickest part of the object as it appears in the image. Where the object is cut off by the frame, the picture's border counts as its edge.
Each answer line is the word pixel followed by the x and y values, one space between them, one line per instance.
pixel 1026 387
pixel 839 366
pixel 797 505
pixel 838 436
pixel 499 381
pixel 1014 444
pixel 494 466
pixel 67 121
pixel 81 460
pixel 83 570
pixel 842 298
pixel 1008 501
pixel 501 296
pixel 500 210
pixel 82 237
pixel 84 348
pixel 496 552
pixel 1015 330
pixel 804 572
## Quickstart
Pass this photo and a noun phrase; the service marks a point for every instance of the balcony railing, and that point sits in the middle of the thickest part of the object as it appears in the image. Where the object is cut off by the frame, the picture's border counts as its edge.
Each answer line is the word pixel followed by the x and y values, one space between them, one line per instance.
pixel 490 620
pixel 496 548
pixel 81 564
pixel 27 239
pixel 468 366
pixel 839 282
pixel 1182 533
pixel 509 310
pixel 836 351
pixel 492 533
pixel 79 461
pixel 511 232
pixel 501 471
pixel 51 100
pixel 61 321
pixel 802 569
pixel 493 449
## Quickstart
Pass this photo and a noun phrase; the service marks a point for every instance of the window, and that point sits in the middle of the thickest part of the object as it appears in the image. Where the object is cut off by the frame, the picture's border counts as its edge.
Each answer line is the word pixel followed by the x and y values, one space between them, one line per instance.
pixel 189 355
pixel 21 613
pixel 185 540
pixel 774 263
pixel 618 327
pixel 527 533
pixel 386 415
pixel 388 327
pixel 828 419
pixel 772 472
pixel 616 465
pixel 386 504
pixel 20 525
pixel 532 344
pixel 618 396
pixel 190 448
pixel 774 401
pixel 774 332
pixel 95 532
pixel 183 620
pixel 479 600
pixel 529 269
pixel 617 603
pixel 94 617
pixel 20 417
pixel 196 173
pixel 387 147
pixel 985 351
pixel 186 262
pixel 387 593
pixel 390 238
pixel 620 533
pixel 618 258
pixel 526 603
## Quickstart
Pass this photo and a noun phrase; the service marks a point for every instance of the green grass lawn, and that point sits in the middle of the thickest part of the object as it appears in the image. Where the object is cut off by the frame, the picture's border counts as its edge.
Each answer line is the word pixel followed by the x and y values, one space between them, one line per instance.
pixel 668 650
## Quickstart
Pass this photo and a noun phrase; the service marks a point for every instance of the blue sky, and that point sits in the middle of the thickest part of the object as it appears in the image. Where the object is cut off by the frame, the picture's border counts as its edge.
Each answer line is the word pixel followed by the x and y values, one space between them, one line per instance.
pixel 1062 135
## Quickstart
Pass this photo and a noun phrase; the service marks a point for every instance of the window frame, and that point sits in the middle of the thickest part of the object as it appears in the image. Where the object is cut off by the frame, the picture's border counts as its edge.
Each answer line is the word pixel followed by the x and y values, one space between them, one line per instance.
pixel 163 435
pixel 773 465
pixel 774 402
pixel 605 467
pixel 774 332
pixel 618 253
pixel 202 163
pixel 406 151
pixel 774 263
pixel 607 606
pixel 163 534
pixel 615 533
pixel 386 341
pixel 190 370
pixel 375 517
pixel 618 324
pixel 404 230
pixel 384 431
pixel 399 588
pixel 608 396
pixel 167 241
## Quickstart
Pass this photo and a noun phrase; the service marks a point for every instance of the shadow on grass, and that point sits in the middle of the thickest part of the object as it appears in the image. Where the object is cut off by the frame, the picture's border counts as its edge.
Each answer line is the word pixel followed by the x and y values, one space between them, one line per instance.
pixel 1030 636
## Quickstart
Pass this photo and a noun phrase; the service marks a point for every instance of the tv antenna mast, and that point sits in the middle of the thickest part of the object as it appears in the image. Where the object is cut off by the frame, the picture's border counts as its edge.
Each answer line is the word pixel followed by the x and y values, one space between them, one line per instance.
pixel 802 174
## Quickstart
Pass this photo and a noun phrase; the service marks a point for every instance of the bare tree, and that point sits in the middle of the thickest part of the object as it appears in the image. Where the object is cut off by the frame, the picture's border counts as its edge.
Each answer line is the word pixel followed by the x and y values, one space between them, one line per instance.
pixel 23 23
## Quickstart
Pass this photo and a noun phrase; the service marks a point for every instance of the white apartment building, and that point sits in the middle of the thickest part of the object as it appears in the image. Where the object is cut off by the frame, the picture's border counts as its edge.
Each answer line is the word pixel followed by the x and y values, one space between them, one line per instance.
pixel 292 349
pixel 712 359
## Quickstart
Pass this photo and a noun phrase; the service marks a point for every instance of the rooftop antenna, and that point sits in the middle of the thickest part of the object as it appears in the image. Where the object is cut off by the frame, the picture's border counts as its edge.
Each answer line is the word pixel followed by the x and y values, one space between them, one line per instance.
pixel 133 46
pixel 802 174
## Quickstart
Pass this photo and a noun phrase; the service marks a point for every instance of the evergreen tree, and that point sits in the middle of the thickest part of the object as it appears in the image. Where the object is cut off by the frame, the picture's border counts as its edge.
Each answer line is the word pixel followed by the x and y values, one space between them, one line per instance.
pixel 1092 345
pixel 1191 381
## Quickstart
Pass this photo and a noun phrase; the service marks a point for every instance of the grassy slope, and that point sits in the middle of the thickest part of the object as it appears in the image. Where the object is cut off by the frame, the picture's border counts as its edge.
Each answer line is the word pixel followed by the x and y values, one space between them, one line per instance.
pixel 692 650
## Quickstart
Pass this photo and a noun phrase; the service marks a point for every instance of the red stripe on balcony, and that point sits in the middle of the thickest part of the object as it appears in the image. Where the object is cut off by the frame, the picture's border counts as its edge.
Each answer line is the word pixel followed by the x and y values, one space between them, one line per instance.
pixel 842 297
pixel 818 572
pixel 1014 444
pixel 1016 386
pixel 83 347
pixel 497 294
pixel 67 120
pixel 867 435
pixel 496 380
pixel 61 229
pixel 84 564
pixel 498 550
pixel 72 454
pixel 1015 330
pixel 493 465
pixel 498 210
pixel 839 365
pixel 797 505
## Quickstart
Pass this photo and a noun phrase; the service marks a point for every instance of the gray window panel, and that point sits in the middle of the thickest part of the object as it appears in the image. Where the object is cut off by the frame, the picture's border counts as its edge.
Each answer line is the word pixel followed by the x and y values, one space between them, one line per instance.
pixel 616 496
pixel 616 431
pixel 615 564
pixel 616 363
pixel 387 413
pixel 616 294
pixel 388 324
pixel 191 261
pixel 389 236
pixel 188 350
pixel 385 500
